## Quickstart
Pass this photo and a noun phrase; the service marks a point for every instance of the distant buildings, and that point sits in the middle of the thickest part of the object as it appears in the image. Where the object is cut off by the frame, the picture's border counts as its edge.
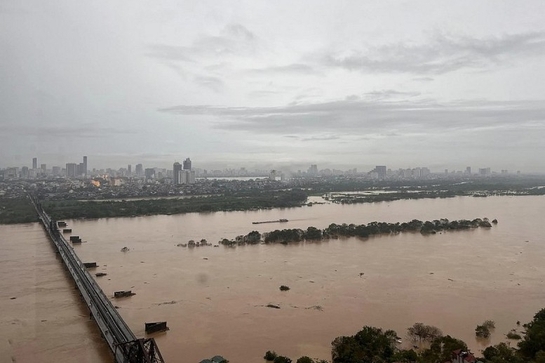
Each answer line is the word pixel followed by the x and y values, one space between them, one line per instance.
pixel 177 173
pixel 381 171
pixel 183 176
pixel 24 172
pixel 71 170
pixel 34 163
pixel 139 170
pixel 313 170
pixel 149 173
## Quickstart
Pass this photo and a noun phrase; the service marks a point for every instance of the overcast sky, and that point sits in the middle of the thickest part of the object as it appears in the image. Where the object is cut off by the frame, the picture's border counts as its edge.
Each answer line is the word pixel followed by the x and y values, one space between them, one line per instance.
pixel 340 84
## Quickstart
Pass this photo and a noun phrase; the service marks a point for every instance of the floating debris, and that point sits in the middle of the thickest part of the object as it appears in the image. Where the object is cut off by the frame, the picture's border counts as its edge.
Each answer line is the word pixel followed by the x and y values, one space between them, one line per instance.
pixel 123 293
pixel 156 327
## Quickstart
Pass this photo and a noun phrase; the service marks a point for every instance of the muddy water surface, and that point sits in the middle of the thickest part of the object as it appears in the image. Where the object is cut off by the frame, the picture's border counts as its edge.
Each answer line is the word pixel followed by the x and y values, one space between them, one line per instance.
pixel 42 318
pixel 214 299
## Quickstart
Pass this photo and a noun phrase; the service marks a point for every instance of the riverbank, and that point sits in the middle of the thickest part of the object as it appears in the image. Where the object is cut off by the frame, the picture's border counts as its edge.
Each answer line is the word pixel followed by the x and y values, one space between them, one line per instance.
pixel 19 210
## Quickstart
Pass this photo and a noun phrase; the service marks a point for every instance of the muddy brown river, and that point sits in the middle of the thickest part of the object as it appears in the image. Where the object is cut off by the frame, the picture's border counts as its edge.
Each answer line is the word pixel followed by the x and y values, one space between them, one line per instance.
pixel 214 299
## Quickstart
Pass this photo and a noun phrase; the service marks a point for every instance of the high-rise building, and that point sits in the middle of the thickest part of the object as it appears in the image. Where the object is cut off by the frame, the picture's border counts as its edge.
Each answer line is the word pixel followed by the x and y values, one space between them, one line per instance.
pixel 187 164
pixel 56 170
pixel 468 170
pixel 139 170
pixel 43 167
pixel 84 167
pixel 34 163
pixel 381 171
pixel 187 176
pixel 149 173
pixel 177 173
pixel 71 170
pixel 313 169
pixel 24 172
pixel 129 171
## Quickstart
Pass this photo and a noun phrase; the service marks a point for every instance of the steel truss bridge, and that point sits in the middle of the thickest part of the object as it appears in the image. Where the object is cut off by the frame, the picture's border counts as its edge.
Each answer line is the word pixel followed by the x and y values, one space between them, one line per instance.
pixel 124 345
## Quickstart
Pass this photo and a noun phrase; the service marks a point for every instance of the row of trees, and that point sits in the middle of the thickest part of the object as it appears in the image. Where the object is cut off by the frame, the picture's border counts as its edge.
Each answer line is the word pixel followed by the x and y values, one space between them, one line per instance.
pixel 352 230
pixel 214 203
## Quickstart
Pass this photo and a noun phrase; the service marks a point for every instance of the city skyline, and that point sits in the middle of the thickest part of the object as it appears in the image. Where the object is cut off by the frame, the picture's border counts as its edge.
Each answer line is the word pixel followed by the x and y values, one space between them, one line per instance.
pixel 184 173
pixel 274 85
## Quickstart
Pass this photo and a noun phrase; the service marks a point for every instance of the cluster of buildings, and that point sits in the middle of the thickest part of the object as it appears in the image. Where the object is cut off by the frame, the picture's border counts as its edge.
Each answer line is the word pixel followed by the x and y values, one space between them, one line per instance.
pixel 72 170
pixel 182 173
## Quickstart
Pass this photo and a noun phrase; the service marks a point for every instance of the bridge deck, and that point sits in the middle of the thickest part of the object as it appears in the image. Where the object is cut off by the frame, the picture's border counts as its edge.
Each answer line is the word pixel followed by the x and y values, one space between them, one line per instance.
pixel 121 340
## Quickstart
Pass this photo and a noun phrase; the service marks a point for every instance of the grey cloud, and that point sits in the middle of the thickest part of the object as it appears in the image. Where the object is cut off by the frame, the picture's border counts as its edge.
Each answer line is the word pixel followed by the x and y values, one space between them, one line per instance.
pixel 74 132
pixel 292 69
pixel 213 83
pixel 442 54
pixel 390 93
pixel 423 79
pixel 233 40
pixel 263 93
pixel 321 138
pixel 365 117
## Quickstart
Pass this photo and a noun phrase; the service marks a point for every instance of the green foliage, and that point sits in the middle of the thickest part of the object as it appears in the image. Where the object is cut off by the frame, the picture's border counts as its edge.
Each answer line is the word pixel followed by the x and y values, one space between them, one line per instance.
pixel 405 356
pixel 17 210
pixel 286 236
pixel 284 288
pixel 485 329
pixel 253 237
pixel 540 357
pixel 490 324
pixel 422 332
pixel 128 208
pixel 270 355
pixel 281 359
pixel 369 345
pixel 313 233
pixel 534 339
pixel 482 331
pixel 513 335
pixel 441 349
pixel 305 359
pixel 501 353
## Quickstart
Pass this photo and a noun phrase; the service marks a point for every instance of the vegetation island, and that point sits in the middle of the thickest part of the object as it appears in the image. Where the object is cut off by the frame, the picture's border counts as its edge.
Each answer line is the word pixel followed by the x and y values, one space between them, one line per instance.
pixel 335 231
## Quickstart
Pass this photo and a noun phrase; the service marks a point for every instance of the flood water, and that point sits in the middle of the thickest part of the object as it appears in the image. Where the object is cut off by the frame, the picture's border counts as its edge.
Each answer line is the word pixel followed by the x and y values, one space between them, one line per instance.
pixel 214 299
pixel 43 318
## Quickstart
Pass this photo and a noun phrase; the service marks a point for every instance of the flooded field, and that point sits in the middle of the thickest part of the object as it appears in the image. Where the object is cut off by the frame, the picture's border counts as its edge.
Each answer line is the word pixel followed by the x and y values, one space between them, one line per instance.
pixel 214 299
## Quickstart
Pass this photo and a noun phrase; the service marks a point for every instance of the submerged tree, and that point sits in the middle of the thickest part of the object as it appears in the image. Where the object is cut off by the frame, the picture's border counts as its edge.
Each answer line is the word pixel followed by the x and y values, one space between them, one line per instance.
pixel 423 333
